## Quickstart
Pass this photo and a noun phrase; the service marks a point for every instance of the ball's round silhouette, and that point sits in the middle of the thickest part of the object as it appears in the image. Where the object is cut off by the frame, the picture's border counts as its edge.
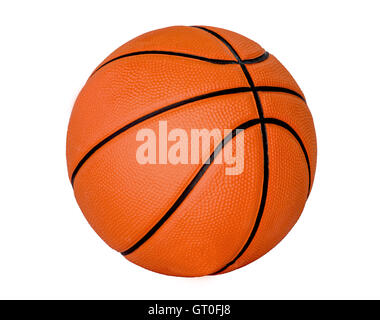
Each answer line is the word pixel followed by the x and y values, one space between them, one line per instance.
pixel 191 219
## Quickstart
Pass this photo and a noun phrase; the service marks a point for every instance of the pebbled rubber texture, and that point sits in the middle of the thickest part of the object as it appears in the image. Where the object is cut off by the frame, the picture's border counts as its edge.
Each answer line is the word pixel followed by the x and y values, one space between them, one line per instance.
pixel 287 194
pixel 204 218
pixel 130 88
pixel 211 230
pixel 119 182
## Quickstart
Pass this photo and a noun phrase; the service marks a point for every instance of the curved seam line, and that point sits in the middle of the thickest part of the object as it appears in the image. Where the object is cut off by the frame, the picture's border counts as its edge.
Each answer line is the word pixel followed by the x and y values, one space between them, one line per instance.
pixel 261 120
pixel 258 59
pixel 265 148
pixel 287 127
pixel 280 90
pixel 261 58
pixel 150 115
pixel 191 185
pixel 204 168
pixel 258 88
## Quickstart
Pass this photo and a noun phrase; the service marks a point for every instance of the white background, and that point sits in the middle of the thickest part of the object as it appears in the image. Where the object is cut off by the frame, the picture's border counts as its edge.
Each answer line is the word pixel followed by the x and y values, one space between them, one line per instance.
pixel 49 48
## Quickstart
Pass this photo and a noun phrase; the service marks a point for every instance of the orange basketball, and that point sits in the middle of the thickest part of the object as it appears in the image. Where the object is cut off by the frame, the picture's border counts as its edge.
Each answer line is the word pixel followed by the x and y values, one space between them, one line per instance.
pixel 188 217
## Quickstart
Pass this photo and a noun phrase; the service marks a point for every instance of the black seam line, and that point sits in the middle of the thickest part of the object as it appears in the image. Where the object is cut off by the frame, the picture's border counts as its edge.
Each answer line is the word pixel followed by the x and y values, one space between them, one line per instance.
pixel 280 89
pixel 261 58
pixel 265 147
pixel 257 222
pixel 150 115
pixel 224 41
pixel 205 96
pixel 204 168
pixel 299 140
pixel 192 184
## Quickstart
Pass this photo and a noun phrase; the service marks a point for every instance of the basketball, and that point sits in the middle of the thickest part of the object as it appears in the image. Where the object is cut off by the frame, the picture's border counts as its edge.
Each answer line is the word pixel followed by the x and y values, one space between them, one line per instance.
pixel 191 151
